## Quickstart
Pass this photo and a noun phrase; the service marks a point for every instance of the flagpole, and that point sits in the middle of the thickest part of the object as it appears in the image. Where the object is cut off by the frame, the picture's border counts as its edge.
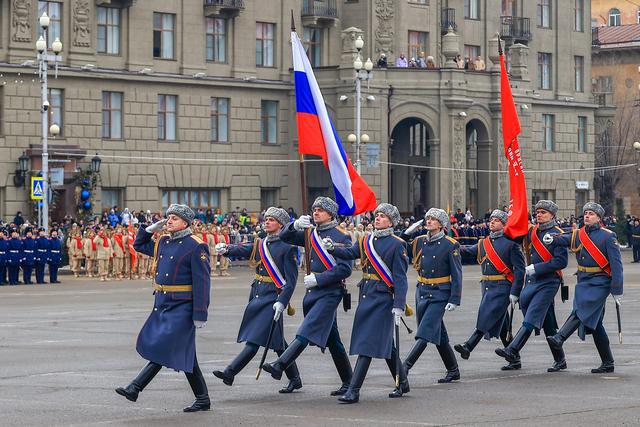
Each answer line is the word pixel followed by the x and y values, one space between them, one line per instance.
pixel 303 187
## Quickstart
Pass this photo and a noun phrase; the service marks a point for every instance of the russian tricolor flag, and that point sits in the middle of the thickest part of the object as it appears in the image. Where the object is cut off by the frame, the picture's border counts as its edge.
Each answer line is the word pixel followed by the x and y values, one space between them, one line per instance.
pixel 317 136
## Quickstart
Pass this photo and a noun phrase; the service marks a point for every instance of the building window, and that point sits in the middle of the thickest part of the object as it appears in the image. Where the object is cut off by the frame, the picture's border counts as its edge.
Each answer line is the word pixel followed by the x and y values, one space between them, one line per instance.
pixel 548 125
pixel 579 15
pixel 112 115
pixel 163 35
pixel 312 41
pixel 196 199
pixel 471 53
pixel 216 39
pixel 54 10
pixel 417 43
pixel 472 9
pixel 167 107
pixel 544 13
pixel 579 73
pixel 265 44
pixel 56 107
pixel 582 134
pixel 219 119
pixel 269 122
pixel 111 198
pixel 109 30
pixel 638 16
pixel 544 70
pixel 268 197
pixel 537 195
pixel 614 18
pixel 509 8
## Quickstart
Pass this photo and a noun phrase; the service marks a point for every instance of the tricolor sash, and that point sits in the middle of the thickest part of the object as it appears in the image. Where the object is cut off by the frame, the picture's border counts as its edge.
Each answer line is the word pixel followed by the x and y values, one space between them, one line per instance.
pixel 496 260
pixel 327 259
pixel 270 265
pixel 541 248
pixel 593 250
pixel 376 261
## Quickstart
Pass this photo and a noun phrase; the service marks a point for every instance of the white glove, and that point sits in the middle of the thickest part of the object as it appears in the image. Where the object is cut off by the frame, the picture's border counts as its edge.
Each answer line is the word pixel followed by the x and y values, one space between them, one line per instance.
pixel 199 323
pixel 618 299
pixel 514 299
pixel 278 307
pixel 221 248
pixel 450 307
pixel 302 223
pixel 397 315
pixel 327 243
pixel 154 228
pixel 547 239
pixel 310 281
pixel 530 270
pixel 413 227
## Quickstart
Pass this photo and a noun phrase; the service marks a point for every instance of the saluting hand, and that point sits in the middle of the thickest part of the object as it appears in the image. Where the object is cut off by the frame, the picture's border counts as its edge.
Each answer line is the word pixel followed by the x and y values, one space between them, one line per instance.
pixel 302 223
pixel 413 227
pixel 154 228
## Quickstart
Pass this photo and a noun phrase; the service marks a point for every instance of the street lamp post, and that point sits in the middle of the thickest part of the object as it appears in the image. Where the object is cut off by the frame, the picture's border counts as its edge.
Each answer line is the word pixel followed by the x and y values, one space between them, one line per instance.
pixel 636 147
pixel 43 66
pixel 363 73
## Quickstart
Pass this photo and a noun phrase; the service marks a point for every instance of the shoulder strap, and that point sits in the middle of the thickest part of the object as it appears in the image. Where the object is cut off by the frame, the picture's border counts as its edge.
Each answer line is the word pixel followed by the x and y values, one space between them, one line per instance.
pixel 541 248
pixel 594 251
pixel 495 259
pixel 479 257
pixel 363 257
pixel 252 258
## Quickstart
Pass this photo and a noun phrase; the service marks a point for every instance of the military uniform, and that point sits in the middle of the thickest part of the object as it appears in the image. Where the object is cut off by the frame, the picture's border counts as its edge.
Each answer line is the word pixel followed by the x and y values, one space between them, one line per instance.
pixel 14 260
pixel 90 251
pixel 4 249
pixel 29 248
pixel 119 253
pixel 104 252
pixel 42 257
pixel 54 259
pixel 224 261
pixel 635 242
pixel 76 254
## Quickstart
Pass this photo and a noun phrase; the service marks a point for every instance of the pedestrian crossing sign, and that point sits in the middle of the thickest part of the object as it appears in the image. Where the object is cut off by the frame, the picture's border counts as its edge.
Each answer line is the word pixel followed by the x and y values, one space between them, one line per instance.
pixel 37 188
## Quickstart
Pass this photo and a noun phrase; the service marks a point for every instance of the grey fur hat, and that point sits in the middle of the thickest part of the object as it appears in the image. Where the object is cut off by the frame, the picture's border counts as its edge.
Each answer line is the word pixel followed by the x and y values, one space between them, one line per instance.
pixel 183 211
pixel 438 214
pixel 278 214
pixel 390 211
pixel 547 205
pixel 326 204
pixel 593 206
pixel 500 214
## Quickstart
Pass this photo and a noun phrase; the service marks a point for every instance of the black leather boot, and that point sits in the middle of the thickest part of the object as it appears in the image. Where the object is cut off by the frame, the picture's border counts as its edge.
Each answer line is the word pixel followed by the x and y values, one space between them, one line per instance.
pixel 559 361
pixel 601 340
pixel 415 353
pixel 343 365
pixel 512 352
pixel 353 392
pixel 450 362
pixel 404 381
pixel 466 348
pixel 199 387
pixel 295 382
pixel 143 379
pixel 237 364
pixel 281 363
pixel 512 366
pixel 556 341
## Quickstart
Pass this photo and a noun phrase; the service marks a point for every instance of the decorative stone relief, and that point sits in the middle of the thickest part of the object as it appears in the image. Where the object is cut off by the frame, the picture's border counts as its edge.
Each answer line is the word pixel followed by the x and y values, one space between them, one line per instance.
pixel 81 24
pixel 384 31
pixel 459 156
pixel 21 21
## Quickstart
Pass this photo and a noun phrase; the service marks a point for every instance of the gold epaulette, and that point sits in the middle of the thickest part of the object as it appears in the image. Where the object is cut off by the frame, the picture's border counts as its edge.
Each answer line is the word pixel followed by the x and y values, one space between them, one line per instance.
pixel 451 239
pixel 415 262
pixel 197 239
pixel 399 238
pixel 342 230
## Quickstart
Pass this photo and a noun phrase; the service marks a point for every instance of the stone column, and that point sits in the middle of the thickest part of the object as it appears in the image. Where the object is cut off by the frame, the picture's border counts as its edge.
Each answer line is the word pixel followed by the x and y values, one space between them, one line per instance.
pixel 519 54
pixel 434 174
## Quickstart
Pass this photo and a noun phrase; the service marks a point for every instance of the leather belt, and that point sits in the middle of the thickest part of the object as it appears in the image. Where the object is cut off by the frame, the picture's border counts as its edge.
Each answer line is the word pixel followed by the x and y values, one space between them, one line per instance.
pixel 173 288
pixel 493 277
pixel 590 269
pixel 265 279
pixel 370 276
pixel 434 280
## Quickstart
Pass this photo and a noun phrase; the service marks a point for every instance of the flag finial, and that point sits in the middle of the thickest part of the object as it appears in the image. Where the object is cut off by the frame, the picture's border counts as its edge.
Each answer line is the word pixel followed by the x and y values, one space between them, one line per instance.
pixel 293 23
pixel 499 44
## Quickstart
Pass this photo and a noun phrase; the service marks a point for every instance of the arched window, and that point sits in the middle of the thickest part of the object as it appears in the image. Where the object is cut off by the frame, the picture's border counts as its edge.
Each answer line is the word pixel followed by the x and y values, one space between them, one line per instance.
pixel 614 18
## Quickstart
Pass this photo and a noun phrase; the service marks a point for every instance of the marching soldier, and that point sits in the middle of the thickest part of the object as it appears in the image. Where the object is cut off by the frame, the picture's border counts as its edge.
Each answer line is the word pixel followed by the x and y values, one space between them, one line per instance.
pixel 381 300
pixel 119 253
pixel 15 257
pixel 599 274
pixel 54 257
pixel 90 252
pixel 502 263
pixel 182 288
pixel 4 249
pixel 104 252
pixel 42 255
pixel 324 290
pixel 76 255
pixel 436 257
pixel 544 277
pixel 271 290
pixel 29 247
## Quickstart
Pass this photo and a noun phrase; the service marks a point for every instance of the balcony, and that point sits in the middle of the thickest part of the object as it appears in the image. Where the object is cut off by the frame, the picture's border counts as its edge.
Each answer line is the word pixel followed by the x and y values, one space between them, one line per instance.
pixel 603 99
pixel 223 8
pixel 595 41
pixel 448 19
pixel 319 12
pixel 515 29
pixel 115 3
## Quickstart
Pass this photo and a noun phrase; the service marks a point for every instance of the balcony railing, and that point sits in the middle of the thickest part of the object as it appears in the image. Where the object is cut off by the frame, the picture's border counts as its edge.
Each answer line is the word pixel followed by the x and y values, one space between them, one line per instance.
pixel 595 41
pixel 320 9
pixel 603 99
pixel 515 29
pixel 448 19
pixel 228 8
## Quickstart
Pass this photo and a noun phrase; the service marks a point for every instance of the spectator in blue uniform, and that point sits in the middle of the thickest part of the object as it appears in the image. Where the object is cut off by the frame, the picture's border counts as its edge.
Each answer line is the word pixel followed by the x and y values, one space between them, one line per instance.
pixel 42 255
pixel 14 258
pixel 182 285
pixel 54 257
pixel 4 253
pixel 29 247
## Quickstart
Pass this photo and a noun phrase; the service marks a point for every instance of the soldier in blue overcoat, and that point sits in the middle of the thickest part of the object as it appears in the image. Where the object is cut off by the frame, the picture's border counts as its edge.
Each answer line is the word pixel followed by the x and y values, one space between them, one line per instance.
pixel 4 249
pixel 182 285
pixel 29 247
pixel 14 258
pixel 635 240
pixel 55 257
pixel 496 282
pixel 543 279
pixel 599 274
pixel 436 257
pixel 271 290
pixel 324 287
pixel 42 255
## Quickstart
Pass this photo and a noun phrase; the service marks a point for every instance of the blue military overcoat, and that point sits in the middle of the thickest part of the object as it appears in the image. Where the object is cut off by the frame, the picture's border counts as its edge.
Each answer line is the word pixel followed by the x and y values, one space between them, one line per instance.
pixel 14 256
pixel 373 325
pixel 55 252
pixel 29 248
pixel 42 250
pixel 258 313
pixel 168 337
pixel 4 249
pixel 320 302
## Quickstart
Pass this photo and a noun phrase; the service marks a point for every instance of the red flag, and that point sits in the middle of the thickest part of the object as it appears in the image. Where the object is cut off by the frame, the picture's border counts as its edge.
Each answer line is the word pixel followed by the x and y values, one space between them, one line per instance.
pixel 518 222
pixel 134 254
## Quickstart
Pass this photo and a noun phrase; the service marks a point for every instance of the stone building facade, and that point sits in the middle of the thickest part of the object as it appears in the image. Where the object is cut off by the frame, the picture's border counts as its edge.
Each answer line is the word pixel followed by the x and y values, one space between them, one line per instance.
pixel 192 100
